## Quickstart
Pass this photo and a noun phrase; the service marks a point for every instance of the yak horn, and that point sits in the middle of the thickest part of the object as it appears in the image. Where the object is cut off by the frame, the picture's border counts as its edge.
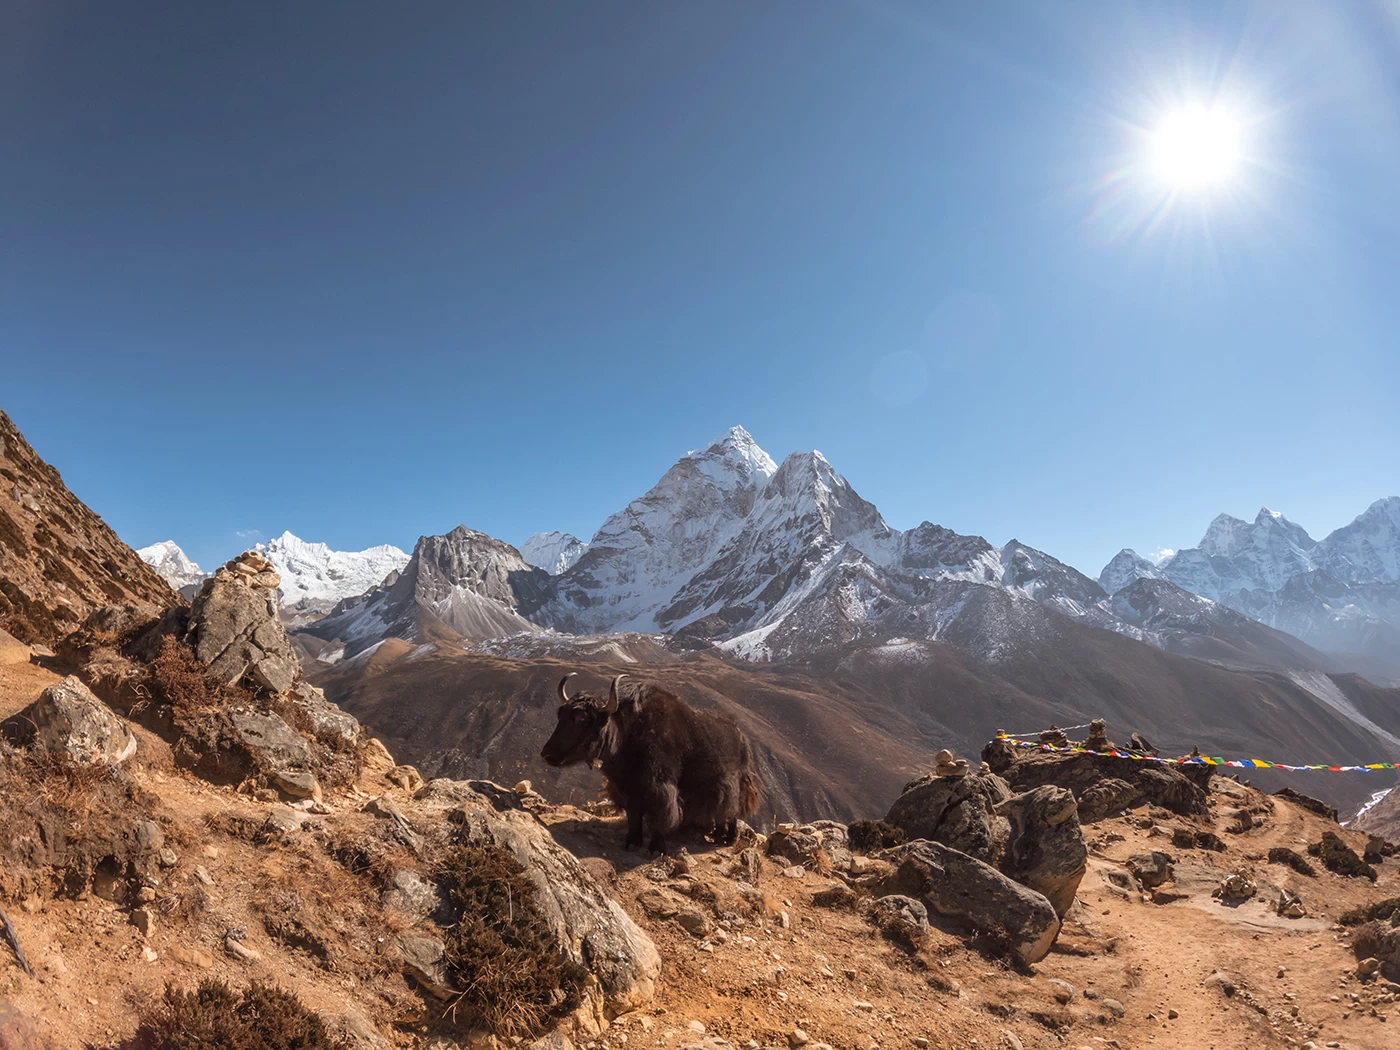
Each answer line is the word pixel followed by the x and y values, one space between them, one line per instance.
pixel 564 692
pixel 614 687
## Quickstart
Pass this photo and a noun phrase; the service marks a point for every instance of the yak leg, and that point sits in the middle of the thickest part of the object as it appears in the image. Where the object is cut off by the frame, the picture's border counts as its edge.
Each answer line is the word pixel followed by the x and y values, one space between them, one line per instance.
pixel 663 814
pixel 730 833
pixel 634 824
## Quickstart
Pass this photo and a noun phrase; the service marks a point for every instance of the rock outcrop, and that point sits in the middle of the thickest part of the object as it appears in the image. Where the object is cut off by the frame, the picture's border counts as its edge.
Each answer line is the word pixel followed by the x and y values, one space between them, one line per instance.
pixel 1045 848
pixel 958 811
pixel 954 884
pixel 68 720
pixel 589 926
pixel 234 628
pixel 821 844
pixel 1104 784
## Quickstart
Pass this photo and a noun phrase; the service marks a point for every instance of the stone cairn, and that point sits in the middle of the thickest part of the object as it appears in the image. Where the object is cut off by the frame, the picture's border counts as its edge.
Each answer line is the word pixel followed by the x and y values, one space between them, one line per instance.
pixel 1054 736
pixel 945 765
pixel 1097 740
pixel 250 569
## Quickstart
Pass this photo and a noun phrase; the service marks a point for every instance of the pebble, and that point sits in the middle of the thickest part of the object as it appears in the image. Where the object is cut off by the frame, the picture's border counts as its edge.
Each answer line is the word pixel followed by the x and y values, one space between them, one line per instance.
pixel 921 1043
pixel 798 1038
pixel 1063 991
pixel 144 920
pixel 1012 1041
pixel 1089 993
pixel 696 1027
pixel 1172 1015
pixel 202 875
pixel 212 852
pixel 797 871
pixel 149 954
pixel 1114 1007
pixel 861 1004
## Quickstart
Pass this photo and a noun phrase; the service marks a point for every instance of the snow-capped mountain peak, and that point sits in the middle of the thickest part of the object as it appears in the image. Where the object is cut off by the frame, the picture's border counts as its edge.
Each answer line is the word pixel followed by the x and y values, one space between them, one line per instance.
pixel 315 578
pixel 734 457
pixel 554 552
pixel 1127 565
pixel 172 564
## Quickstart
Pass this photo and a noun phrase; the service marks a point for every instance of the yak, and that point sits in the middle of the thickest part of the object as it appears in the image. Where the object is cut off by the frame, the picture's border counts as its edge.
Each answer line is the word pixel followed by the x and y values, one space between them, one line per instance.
pixel 667 765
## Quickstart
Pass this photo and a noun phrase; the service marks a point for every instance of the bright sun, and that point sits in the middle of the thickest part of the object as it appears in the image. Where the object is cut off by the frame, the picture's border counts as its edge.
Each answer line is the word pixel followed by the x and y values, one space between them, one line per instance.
pixel 1196 147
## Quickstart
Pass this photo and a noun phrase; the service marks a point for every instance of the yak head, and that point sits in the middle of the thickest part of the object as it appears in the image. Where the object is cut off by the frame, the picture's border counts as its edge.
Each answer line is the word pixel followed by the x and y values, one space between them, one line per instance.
pixel 583 727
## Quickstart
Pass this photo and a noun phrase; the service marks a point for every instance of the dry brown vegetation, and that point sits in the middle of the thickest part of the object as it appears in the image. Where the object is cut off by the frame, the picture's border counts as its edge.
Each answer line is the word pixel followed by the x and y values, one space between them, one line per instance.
pixel 513 979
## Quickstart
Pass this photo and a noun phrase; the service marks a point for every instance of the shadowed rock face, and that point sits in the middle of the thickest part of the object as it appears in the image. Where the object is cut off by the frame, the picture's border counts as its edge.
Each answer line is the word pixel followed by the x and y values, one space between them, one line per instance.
pixel 1045 849
pixel 957 811
pixel 953 884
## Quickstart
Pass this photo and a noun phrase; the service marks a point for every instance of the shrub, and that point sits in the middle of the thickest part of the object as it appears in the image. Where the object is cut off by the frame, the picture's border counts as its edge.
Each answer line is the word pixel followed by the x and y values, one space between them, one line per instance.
pixel 214 1017
pixel 1284 855
pixel 1386 909
pixel 512 976
pixel 1337 856
pixel 178 678
pixel 869 836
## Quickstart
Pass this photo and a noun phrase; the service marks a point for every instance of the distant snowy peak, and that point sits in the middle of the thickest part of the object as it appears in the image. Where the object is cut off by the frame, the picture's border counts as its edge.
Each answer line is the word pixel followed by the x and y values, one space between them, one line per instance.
pixel 1367 550
pixel 734 458
pixel 554 552
pixel 1127 565
pixel 644 553
pixel 314 576
pixel 172 564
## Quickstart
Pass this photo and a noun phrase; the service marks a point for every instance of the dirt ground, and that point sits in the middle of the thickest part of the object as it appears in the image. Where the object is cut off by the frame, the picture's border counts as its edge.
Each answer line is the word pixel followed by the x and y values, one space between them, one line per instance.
pixel 750 977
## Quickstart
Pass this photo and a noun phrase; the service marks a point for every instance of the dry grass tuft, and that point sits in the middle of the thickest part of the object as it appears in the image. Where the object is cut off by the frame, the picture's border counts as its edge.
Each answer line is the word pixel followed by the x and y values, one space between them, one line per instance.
pixel 514 979
pixel 214 1017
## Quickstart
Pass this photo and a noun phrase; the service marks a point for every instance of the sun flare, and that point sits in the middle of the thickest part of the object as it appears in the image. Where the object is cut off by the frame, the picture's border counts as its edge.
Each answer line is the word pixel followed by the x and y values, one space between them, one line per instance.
pixel 1197 147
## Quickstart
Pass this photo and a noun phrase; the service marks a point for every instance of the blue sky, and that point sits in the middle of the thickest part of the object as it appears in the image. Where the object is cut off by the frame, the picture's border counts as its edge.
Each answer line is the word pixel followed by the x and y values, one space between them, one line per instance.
pixel 369 271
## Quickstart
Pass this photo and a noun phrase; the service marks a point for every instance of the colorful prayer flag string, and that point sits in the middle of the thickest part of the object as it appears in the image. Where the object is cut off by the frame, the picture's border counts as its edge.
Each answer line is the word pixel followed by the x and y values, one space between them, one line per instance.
pixel 1201 760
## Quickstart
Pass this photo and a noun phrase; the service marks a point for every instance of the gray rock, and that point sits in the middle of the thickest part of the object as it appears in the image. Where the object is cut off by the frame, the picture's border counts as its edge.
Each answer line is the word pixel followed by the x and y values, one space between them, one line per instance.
pixel 277 746
pixel 1150 869
pixel 693 922
pixel 1045 847
pixel 149 837
pixel 327 722
pixel 552 1041
pixel 1113 1006
pixel 590 928
pixel 805 844
pixel 296 783
pixel 952 883
pixel 1063 991
pixel 404 831
pixel 234 628
pixel 412 895
pixel 897 913
pixel 955 811
pixel 353 1030
pixel 68 719
pixel 425 960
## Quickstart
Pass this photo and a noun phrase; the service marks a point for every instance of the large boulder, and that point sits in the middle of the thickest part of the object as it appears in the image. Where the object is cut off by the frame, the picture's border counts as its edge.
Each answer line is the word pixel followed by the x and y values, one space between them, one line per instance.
pixel 589 926
pixel 956 811
pixel 951 883
pixel 68 719
pixel 808 844
pixel 1045 849
pixel 234 628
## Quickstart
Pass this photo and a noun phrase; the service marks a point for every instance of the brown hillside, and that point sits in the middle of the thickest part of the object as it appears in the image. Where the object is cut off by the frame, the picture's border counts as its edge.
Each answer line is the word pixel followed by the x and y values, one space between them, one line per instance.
pixel 58 560
pixel 836 739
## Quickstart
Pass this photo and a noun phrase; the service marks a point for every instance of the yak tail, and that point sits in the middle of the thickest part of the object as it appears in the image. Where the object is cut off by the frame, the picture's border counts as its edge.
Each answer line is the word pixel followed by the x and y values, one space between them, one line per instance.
pixel 748 783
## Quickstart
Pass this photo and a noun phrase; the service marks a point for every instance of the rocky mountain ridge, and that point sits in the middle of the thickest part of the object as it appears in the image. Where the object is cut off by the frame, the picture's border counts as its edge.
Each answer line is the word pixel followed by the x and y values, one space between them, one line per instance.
pixel 554 552
pixel 1340 594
